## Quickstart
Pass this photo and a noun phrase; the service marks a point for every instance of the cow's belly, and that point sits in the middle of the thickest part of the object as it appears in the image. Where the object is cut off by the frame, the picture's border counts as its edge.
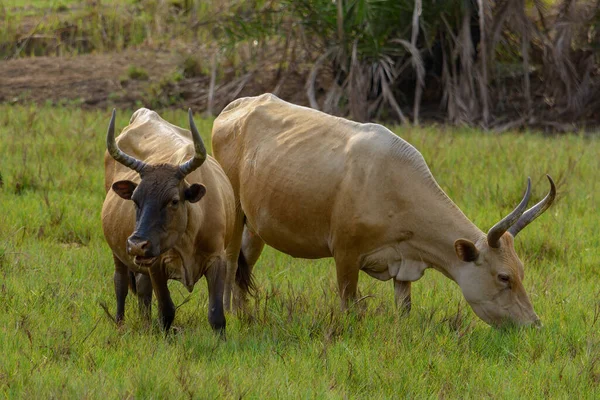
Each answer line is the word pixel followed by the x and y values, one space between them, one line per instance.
pixel 295 245
pixel 289 235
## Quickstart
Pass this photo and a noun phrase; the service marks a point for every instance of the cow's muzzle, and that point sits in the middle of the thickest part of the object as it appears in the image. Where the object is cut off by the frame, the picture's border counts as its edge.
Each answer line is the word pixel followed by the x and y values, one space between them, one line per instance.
pixel 141 248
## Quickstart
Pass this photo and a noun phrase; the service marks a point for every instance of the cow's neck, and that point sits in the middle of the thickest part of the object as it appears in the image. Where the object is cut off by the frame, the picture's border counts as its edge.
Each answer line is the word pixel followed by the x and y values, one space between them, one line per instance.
pixel 436 247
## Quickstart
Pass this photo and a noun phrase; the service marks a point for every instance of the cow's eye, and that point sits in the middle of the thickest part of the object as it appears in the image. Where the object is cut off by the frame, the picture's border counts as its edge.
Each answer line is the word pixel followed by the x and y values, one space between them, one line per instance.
pixel 174 202
pixel 503 278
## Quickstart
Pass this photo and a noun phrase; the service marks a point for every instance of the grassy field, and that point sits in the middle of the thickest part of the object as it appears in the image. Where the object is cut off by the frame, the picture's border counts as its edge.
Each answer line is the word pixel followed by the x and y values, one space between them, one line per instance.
pixel 56 271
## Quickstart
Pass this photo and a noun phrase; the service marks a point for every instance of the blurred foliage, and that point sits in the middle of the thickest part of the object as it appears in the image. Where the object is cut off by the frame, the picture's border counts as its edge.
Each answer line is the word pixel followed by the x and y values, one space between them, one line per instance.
pixel 373 58
pixel 525 61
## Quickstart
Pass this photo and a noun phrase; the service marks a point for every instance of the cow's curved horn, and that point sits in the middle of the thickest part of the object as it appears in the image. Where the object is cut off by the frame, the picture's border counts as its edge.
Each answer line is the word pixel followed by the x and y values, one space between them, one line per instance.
pixel 200 155
pixel 116 153
pixel 494 234
pixel 534 211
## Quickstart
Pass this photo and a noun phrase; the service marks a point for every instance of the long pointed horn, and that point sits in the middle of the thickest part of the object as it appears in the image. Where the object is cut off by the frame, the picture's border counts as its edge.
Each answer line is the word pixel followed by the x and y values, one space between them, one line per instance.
pixel 494 234
pixel 116 153
pixel 534 211
pixel 200 155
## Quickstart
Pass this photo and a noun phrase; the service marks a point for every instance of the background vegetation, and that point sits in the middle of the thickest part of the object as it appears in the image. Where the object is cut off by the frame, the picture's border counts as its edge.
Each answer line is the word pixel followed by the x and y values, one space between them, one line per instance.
pixel 56 272
pixel 500 64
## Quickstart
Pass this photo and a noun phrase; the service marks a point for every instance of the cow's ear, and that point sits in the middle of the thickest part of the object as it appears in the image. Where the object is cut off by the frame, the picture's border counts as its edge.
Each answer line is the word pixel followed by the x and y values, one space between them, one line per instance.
pixel 195 192
pixel 466 250
pixel 124 189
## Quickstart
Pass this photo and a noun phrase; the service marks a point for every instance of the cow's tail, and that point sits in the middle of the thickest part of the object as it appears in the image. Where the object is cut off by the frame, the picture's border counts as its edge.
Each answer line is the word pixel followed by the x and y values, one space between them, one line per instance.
pixel 132 283
pixel 243 276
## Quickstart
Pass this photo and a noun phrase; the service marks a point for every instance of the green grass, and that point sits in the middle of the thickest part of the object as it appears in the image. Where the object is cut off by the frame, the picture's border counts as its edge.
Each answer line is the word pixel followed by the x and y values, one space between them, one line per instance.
pixel 73 27
pixel 56 270
pixel 137 73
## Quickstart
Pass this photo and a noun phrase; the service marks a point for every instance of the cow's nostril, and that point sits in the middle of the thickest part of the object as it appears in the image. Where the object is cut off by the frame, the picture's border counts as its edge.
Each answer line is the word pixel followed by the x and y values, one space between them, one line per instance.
pixel 138 247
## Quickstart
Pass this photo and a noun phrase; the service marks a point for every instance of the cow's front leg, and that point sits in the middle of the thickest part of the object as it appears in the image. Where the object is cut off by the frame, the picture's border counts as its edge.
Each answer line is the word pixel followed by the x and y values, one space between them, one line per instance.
pixel 121 281
pixel 166 308
pixel 215 279
pixel 143 285
pixel 347 278
pixel 402 296
pixel 408 271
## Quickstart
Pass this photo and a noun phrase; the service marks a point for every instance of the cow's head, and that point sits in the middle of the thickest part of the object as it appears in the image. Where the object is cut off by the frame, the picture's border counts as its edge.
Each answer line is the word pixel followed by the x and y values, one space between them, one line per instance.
pixel 491 273
pixel 160 197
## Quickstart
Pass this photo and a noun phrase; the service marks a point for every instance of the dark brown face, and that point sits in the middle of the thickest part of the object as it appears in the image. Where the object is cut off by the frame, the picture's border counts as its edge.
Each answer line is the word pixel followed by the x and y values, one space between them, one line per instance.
pixel 160 210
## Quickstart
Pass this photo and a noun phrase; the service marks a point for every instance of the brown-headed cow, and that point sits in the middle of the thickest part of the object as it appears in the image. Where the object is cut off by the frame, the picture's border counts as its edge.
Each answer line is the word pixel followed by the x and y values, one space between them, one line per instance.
pixel 169 213
pixel 312 185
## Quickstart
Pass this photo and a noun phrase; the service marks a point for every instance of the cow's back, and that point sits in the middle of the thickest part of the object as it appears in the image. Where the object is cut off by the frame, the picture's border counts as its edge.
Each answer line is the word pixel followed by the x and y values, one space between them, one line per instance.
pixel 304 178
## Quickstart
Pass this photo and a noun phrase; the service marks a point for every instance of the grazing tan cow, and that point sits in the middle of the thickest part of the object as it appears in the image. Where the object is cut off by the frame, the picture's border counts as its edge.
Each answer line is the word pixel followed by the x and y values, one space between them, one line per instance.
pixel 312 185
pixel 169 213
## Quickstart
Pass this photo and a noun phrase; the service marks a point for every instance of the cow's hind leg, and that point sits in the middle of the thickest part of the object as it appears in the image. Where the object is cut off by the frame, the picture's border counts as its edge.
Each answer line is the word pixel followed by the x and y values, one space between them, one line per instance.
pixel 121 281
pixel 215 279
pixel 231 254
pixel 252 247
pixel 166 308
pixel 347 278
pixel 144 293
pixel 402 296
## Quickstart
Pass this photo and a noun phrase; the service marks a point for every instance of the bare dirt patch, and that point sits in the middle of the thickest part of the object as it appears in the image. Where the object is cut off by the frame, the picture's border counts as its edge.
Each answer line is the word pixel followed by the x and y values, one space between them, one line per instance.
pixel 92 80
pixel 105 80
